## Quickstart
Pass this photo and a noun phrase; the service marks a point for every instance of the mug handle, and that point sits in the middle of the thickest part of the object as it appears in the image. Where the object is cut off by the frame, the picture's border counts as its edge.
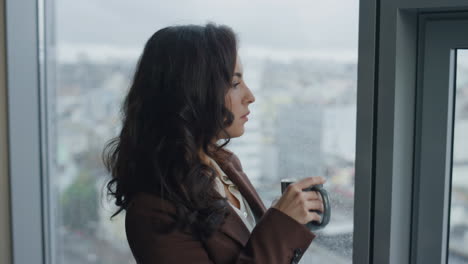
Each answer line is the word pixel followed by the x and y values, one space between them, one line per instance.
pixel 314 225
pixel 326 215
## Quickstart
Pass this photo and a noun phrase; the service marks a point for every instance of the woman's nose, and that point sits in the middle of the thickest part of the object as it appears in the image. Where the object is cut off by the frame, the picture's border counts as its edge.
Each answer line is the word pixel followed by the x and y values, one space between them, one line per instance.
pixel 250 98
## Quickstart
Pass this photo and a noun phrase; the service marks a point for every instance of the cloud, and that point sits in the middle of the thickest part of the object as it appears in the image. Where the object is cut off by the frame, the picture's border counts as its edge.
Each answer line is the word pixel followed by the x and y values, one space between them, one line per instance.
pixel 273 24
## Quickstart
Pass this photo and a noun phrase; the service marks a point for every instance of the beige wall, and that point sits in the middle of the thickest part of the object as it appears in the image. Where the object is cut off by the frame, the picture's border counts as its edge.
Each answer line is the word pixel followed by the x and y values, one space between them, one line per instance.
pixel 5 245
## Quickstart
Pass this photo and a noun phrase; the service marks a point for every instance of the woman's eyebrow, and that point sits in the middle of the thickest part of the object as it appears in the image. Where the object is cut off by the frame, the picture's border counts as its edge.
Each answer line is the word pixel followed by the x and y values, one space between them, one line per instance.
pixel 238 74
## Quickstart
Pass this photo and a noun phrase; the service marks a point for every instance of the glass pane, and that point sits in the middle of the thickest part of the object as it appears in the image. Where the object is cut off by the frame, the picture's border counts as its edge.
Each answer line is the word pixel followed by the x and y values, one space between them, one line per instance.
pixel 300 61
pixel 458 244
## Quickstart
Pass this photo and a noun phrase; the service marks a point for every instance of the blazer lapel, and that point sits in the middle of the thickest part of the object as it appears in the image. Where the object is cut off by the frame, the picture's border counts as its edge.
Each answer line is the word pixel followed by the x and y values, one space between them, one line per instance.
pixel 233 226
pixel 239 178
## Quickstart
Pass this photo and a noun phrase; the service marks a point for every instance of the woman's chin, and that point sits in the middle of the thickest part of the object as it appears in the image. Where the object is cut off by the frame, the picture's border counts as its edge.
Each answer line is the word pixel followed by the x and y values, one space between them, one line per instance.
pixel 238 133
pixel 234 133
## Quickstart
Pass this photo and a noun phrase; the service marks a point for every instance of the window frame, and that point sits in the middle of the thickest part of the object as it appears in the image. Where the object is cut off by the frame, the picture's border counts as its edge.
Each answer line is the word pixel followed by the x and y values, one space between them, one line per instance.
pixel 385 159
pixel 435 120
pixel 24 133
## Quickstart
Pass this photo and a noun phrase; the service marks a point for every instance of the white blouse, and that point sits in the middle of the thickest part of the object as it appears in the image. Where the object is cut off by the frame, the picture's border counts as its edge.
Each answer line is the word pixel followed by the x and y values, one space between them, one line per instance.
pixel 245 212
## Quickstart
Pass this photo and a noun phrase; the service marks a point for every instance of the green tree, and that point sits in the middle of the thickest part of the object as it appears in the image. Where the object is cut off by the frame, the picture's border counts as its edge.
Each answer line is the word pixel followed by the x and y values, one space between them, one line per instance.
pixel 80 204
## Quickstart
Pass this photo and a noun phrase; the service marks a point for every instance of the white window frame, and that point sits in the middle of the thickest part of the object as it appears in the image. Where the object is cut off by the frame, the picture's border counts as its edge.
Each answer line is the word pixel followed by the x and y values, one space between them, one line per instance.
pixel 24 133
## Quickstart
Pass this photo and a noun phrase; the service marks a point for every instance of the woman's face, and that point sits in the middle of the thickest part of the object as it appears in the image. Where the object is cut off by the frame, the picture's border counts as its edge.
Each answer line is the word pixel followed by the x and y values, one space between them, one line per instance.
pixel 237 100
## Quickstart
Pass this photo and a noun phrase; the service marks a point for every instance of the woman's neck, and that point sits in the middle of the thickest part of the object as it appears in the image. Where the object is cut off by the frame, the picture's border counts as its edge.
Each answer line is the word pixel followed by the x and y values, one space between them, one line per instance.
pixel 205 159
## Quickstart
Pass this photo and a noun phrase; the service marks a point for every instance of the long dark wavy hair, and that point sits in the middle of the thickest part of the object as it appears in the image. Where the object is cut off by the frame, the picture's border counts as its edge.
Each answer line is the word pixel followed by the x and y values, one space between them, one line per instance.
pixel 175 109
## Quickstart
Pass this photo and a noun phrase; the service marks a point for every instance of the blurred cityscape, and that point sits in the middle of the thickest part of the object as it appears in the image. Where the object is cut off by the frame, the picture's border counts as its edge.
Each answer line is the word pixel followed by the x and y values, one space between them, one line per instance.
pixel 302 124
pixel 458 237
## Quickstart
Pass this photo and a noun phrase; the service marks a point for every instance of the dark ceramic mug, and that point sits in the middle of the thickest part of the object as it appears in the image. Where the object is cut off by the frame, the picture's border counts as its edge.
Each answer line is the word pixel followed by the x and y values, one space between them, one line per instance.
pixel 314 225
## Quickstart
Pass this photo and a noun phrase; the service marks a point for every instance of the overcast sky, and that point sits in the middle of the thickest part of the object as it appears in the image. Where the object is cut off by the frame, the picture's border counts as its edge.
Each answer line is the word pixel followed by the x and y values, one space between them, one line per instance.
pixel 289 25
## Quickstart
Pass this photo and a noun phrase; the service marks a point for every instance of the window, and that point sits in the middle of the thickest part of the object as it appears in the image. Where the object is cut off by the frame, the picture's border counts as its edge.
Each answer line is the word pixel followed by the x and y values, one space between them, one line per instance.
pixel 459 198
pixel 303 122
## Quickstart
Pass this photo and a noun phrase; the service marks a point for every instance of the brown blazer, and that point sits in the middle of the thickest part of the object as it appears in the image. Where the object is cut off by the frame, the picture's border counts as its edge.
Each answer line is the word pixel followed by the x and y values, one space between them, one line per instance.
pixel 276 239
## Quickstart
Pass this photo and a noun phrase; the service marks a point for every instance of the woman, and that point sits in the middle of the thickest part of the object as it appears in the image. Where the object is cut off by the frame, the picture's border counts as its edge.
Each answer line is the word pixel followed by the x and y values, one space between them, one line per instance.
pixel 186 197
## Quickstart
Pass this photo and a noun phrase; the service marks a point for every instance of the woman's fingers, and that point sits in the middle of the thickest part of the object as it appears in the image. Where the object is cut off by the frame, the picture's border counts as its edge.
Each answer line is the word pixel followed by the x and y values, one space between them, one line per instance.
pixel 313 216
pixel 310 181
pixel 313 196
pixel 303 206
pixel 315 205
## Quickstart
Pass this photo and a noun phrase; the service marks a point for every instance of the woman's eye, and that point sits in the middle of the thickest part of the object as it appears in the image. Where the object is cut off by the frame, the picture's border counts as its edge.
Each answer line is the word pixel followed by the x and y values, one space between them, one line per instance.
pixel 235 85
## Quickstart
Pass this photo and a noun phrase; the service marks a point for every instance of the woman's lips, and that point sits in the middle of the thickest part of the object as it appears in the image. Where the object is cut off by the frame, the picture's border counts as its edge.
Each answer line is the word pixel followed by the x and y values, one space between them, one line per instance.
pixel 245 116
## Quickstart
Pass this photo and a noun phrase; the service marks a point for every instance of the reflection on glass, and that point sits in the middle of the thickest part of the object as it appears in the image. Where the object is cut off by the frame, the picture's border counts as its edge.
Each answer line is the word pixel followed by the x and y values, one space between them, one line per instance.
pixel 458 244
pixel 301 68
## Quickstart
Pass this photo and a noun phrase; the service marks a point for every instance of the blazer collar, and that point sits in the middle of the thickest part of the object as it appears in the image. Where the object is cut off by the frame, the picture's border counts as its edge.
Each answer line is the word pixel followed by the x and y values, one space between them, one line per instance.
pixel 234 227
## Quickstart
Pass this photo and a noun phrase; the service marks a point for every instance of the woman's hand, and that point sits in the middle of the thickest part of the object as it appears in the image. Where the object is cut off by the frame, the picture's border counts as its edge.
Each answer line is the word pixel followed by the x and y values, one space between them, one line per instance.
pixel 296 203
